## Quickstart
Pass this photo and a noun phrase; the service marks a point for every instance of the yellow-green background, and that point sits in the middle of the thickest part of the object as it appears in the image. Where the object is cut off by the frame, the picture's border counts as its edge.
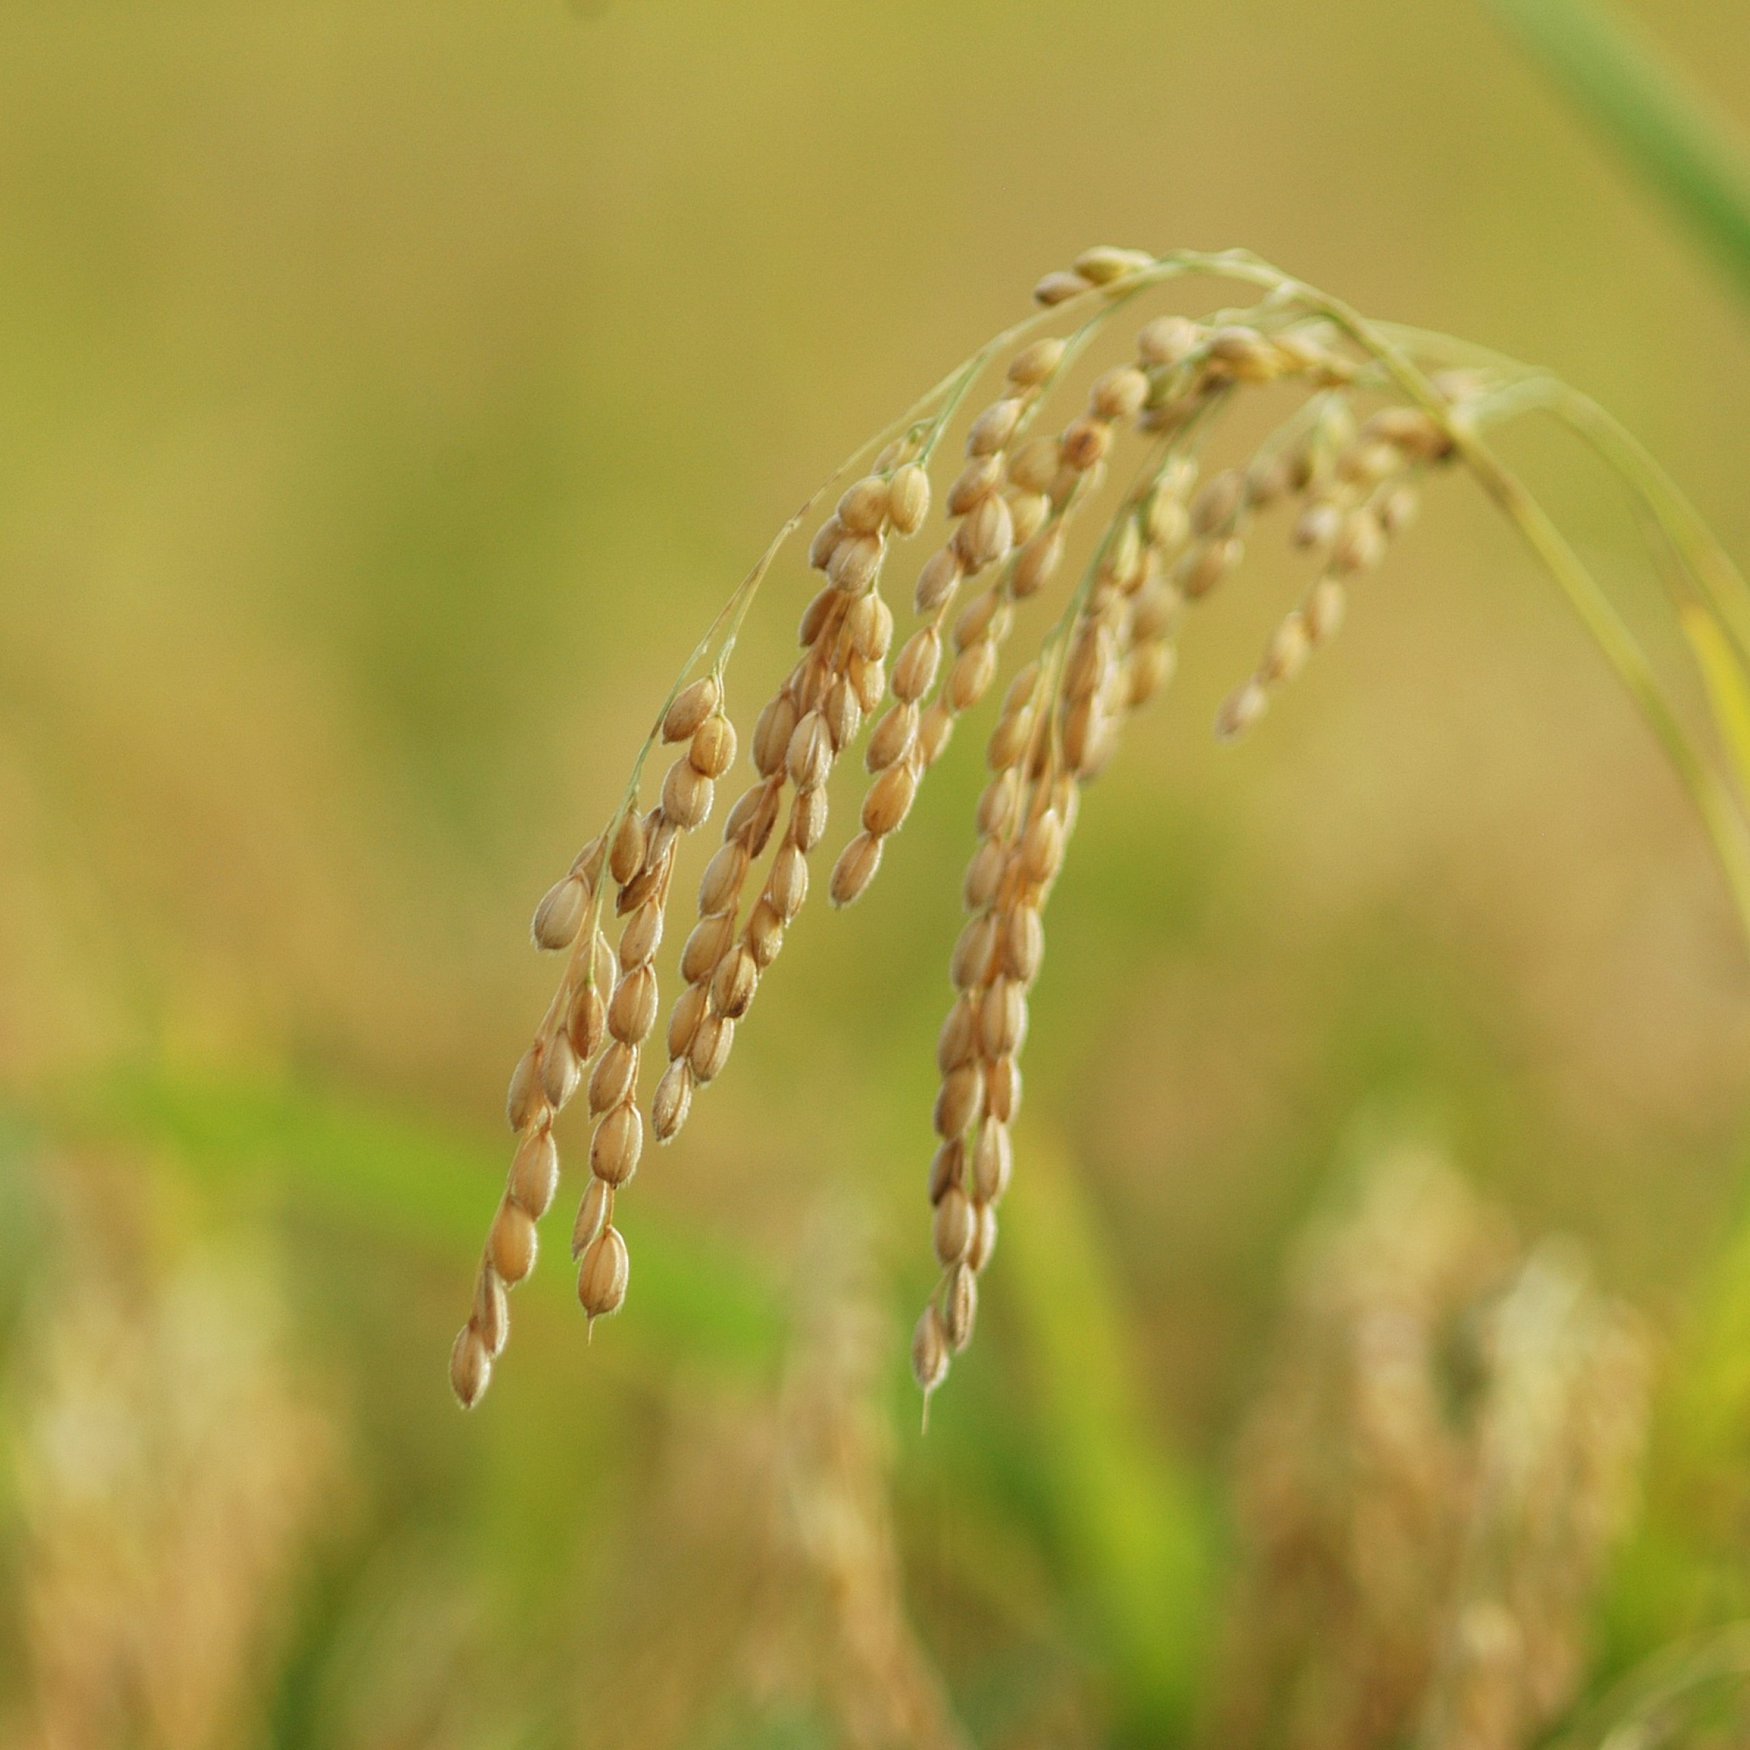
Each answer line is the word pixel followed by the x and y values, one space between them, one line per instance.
pixel 390 392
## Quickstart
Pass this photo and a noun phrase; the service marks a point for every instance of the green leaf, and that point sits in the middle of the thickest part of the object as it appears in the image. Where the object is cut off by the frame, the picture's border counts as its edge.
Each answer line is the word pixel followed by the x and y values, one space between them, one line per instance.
pixel 1676 137
pixel 1727 683
pixel 363 1162
pixel 1131 1520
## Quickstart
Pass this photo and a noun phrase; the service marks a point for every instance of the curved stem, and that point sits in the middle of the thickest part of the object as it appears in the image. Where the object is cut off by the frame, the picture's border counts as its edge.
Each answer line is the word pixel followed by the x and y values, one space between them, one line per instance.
pixel 1691 540
pixel 1713 800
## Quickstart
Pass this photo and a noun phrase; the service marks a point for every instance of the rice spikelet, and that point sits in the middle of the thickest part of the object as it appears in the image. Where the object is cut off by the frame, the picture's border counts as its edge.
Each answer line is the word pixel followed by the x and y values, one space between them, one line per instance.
pixel 1377 412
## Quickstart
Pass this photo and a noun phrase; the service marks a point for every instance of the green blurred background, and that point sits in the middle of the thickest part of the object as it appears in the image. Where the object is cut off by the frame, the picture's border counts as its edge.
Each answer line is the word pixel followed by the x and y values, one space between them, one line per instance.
pixel 388 394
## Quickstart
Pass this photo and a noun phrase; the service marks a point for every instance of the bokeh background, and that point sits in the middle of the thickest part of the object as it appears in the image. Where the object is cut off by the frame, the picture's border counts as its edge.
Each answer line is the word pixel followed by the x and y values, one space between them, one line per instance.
pixel 388 393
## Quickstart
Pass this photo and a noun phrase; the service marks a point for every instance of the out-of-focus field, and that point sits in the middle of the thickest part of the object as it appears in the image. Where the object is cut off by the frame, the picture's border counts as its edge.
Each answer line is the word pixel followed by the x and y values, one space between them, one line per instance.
pixel 388 395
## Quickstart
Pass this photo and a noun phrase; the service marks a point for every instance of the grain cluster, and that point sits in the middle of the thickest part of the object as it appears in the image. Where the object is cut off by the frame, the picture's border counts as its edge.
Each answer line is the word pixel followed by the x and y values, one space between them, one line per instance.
pixel 1006 507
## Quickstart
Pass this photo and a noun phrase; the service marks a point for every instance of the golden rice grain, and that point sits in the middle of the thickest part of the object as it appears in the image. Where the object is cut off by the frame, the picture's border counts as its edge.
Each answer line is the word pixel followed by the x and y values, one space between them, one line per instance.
pixel 1348 481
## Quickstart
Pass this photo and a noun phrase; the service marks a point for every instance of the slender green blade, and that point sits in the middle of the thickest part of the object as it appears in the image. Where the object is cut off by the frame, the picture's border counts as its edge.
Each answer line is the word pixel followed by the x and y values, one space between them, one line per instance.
pixel 367 1163
pixel 1674 135
pixel 1728 687
pixel 1128 1511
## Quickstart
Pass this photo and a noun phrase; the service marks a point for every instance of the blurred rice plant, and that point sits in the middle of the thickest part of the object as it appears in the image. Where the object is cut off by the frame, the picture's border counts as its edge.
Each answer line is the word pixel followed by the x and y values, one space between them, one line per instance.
pixel 1432 1482
pixel 175 1472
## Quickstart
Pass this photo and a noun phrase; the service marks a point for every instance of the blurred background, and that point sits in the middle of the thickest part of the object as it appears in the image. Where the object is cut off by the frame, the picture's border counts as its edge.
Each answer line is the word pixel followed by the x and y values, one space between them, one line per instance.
pixel 389 393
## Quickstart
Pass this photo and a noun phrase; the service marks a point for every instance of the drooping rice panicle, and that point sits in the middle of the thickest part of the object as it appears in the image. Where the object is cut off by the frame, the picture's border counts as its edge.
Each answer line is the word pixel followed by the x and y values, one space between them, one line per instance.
pixel 1379 410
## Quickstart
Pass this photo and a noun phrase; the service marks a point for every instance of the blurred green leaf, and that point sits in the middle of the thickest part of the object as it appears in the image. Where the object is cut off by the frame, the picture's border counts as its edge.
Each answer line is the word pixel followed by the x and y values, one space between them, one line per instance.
pixel 1690 152
pixel 1128 1513
pixel 1727 684
pixel 365 1163
pixel 1684 1571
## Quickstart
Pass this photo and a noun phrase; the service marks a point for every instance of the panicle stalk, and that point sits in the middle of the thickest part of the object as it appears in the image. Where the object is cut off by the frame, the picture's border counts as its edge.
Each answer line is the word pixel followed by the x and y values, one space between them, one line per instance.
pixel 1379 411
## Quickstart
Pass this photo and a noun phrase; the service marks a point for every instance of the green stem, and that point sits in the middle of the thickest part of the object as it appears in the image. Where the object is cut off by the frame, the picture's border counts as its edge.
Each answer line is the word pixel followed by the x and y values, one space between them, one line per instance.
pixel 1690 539
pixel 1713 800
